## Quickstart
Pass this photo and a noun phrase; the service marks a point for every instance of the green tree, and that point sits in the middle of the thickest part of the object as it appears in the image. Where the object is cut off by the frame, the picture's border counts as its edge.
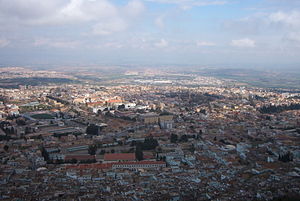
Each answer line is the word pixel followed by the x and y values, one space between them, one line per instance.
pixel 92 149
pixel 149 143
pixel 286 157
pixel 184 138
pixel 6 148
pixel 27 130
pixel 102 152
pixel 45 154
pixel 192 149
pixel 139 152
pixel 174 138
pixel 92 129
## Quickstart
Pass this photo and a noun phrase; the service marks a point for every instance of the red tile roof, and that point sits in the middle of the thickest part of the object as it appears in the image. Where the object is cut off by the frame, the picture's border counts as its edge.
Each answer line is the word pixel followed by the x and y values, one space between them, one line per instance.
pixel 110 165
pixel 79 157
pixel 147 155
pixel 119 157
pixel 139 163
pixel 114 101
pixel 90 166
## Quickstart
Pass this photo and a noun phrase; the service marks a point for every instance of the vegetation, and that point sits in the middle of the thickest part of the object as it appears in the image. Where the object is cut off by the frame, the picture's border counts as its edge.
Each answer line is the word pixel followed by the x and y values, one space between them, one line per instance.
pixel 7 129
pixel 21 121
pixel 92 149
pixel 42 116
pixel 102 152
pixel 149 143
pixel 39 107
pixel 184 138
pixel 139 152
pixel 6 147
pixel 45 154
pixel 278 108
pixel 287 157
pixel 174 138
pixel 14 83
pixel 287 198
pixel 58 100
pixel 92 129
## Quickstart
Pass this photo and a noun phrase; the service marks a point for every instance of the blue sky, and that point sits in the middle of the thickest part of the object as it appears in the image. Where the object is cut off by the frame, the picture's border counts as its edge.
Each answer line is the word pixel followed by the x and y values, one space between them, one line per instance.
pixel 231 33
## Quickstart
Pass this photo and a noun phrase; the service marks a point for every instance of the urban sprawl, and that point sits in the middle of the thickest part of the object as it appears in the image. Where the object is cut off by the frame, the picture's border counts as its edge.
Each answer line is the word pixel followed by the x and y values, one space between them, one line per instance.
pixel 145 139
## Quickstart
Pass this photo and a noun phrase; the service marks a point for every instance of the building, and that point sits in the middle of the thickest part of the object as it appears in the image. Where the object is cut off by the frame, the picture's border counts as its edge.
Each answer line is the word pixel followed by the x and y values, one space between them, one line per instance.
pixel 118 157
pixel 149 118
pixel 80 158
pixel 139 165
pixel 121 165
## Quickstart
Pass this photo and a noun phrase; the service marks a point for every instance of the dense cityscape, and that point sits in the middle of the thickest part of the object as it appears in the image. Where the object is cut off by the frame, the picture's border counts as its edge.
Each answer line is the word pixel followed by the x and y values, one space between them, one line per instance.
pixel 146 136
pixel 150 100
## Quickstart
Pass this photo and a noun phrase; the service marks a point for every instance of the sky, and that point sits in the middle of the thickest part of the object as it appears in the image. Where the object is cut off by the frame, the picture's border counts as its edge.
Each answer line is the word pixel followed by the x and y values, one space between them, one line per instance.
pixel 231 33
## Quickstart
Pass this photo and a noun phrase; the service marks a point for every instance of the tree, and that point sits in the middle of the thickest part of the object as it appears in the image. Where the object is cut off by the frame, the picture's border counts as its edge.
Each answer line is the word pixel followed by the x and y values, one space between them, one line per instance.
pixel 12 130
pixel 92 129
pixel 139 152
pixel 174 138
pixel 203 111
pixel 133 143
pixel 286 157
pixel 6 148
pixel 27 130
pixel 102 152
pixel 92 149
pixel 192 149
pixel 184 138
pixel 108 114
pixel 112 151
pixel 20 122
pixel 149 143
pixel 121 107
pixel 45 154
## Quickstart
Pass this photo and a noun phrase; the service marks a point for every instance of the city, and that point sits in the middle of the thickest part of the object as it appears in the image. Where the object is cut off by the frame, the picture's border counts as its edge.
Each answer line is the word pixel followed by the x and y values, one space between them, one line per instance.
pixel 150 100
pixel 136 140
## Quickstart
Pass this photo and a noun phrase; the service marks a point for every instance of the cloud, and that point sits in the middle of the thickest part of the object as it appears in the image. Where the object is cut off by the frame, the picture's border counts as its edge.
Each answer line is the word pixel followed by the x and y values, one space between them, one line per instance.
pixel 30 9
pixel 159 22
pixel 103 16
pixel 110 26
pixel 4 42
pixel 293 37
pixel 134 8
pixel 187 4
pixel 288 19
pixel 248 25
pixel 161 44
pixel 55 43
pixel 245 42
pixel 113 45
pixel 36 12
pixel 260 22
pixel 280 29
pixel 205 43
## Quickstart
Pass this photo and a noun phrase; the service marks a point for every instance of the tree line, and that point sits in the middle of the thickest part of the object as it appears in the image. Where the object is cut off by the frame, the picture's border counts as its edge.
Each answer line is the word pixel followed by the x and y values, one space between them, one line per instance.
pixel 269 109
